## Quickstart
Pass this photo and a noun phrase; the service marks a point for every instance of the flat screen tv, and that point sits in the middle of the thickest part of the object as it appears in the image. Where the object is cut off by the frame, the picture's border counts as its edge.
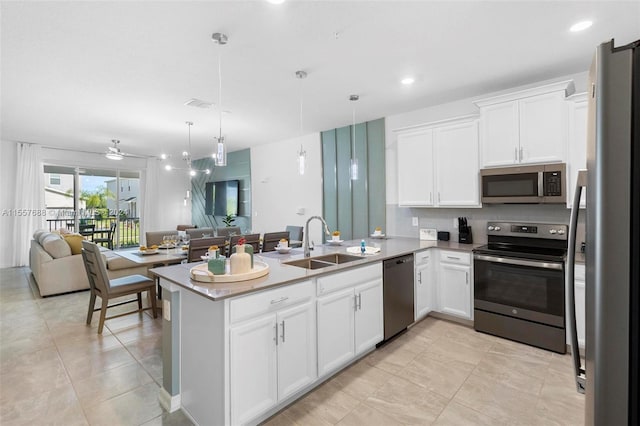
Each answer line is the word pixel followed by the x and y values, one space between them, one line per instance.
pixel 222 198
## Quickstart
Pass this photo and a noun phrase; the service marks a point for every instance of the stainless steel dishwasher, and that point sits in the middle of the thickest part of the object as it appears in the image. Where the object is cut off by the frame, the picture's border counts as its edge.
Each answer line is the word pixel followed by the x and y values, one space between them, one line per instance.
pixel 398 294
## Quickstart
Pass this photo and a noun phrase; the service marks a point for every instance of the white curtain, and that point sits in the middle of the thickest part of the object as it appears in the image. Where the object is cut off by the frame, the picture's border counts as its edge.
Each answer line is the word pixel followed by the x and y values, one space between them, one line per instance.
pixel 149 217
pixel 29 200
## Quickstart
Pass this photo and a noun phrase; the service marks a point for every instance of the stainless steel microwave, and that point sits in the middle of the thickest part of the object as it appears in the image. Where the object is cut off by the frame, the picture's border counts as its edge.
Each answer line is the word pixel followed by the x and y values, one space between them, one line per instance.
pixel 543 183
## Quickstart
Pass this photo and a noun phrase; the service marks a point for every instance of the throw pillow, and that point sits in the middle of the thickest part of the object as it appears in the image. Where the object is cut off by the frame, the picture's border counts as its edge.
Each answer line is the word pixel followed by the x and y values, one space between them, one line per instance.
pixel 75 242
pixel 55 246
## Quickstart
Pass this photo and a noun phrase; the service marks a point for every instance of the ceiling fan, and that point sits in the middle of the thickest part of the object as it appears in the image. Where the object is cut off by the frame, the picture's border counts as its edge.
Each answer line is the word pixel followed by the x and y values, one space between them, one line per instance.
pixel 114 152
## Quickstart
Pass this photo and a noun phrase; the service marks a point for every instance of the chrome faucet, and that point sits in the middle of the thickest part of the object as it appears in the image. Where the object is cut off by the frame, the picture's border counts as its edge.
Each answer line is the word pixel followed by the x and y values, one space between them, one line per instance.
pixel 307 252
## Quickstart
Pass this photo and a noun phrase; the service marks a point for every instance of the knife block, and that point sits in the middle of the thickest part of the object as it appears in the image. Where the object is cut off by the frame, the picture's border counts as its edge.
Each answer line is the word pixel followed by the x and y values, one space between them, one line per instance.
pixel 465 237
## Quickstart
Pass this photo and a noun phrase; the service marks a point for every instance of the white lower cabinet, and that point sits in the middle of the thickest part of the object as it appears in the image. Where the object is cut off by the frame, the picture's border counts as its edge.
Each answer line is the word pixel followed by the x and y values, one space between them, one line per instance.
pixel 273 355
pixel 350 315
pixel 455 283
pixel 424 284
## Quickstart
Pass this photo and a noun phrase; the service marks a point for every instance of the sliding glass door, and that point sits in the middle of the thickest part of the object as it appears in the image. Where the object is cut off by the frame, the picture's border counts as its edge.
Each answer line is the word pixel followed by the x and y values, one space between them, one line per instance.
pixel 100 204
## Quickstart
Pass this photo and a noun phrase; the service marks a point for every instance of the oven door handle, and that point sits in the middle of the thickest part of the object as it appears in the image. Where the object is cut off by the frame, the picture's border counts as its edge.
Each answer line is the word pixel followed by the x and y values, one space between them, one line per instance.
pixel 520 262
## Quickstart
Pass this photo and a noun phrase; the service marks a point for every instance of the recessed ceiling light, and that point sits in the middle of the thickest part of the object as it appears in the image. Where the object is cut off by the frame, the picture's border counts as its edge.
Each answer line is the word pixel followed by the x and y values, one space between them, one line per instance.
pixel 407 81
pixel 580 26
pixel 275 1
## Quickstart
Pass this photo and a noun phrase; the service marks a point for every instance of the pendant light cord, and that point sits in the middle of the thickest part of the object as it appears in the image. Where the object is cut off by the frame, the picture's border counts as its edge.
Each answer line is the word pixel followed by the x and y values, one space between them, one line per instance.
pixel 220 89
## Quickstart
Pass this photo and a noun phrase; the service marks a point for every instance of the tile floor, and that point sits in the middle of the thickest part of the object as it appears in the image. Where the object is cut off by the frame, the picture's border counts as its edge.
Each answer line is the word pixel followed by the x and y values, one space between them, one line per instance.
pixel 56 370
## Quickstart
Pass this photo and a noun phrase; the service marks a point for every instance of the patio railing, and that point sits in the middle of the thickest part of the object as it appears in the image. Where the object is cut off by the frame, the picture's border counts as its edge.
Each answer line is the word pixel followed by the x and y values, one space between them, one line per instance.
pixel 128 234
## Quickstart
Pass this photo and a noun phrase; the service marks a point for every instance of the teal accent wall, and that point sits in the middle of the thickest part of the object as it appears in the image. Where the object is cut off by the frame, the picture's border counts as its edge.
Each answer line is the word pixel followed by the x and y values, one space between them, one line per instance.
pixel 354 207
pixel 238 167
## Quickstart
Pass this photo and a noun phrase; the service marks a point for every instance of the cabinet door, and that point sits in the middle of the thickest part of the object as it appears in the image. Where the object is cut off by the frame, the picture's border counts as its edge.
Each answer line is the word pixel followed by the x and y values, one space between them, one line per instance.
pixel 499 134
pixel 296 349
pixel 543 129
pixel 424 287
pixel 335 330
pixel 457 165
pixel 369 325
pixel 577 152
pixel 253 368
pixel 415 169
pixel 455 290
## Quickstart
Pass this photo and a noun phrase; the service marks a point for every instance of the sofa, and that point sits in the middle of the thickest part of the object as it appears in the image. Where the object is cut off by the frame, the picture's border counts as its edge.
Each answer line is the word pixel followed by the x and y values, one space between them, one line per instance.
pixel 59 269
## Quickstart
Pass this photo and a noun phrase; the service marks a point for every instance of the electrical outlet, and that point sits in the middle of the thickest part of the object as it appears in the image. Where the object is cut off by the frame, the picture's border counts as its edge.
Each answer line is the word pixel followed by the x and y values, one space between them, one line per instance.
pixel 455 223
pixel 414 221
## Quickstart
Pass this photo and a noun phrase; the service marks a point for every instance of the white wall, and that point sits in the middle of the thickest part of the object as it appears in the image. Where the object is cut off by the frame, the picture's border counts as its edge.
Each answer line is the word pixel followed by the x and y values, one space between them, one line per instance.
pixel 278 191
pixel 427 115
pixel 8 152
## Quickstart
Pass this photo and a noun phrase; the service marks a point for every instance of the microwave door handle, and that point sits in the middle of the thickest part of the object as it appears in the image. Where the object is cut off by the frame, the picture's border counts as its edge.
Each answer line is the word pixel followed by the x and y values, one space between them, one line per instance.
pixel 571 264
pixel 540 184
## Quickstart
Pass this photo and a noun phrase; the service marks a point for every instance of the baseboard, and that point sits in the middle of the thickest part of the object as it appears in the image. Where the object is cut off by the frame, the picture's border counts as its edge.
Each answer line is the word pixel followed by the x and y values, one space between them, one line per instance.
pixel 168 402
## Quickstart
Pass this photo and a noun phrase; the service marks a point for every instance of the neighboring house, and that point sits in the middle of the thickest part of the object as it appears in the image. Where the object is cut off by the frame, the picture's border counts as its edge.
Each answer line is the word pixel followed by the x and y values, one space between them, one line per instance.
pixel 60 202
pixel 128 195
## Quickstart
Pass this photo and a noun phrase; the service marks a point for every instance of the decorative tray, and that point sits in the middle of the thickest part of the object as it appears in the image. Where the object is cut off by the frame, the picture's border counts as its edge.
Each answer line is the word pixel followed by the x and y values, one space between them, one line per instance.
pixel 201 273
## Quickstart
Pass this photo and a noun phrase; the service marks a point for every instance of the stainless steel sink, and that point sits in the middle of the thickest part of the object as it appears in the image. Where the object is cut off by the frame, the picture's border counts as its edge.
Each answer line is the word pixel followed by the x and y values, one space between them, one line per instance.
pixel 319 262
pixel 337 258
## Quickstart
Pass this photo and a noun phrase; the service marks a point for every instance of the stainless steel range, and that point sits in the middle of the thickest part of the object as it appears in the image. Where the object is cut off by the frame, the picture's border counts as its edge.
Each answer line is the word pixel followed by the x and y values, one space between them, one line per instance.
pixel 519 283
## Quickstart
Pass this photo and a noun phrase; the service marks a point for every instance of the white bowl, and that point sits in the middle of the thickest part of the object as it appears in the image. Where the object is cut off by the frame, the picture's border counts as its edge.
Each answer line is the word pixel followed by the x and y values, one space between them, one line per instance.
pixel 283 250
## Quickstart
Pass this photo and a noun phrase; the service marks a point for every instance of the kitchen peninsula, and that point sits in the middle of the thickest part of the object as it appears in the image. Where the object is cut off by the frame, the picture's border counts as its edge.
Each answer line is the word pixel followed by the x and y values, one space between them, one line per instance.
pixel 236 353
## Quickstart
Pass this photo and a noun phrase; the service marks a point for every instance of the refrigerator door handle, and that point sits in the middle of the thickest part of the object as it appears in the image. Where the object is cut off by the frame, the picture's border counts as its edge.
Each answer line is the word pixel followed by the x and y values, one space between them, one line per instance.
pixel 571 264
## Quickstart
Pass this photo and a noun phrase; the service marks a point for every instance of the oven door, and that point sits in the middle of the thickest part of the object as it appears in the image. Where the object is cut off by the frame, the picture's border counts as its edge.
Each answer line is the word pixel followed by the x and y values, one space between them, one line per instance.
pixel 526 289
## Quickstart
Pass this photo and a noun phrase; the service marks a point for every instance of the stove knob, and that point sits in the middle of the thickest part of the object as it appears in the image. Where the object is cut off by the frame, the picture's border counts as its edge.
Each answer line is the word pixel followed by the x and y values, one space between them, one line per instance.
pixel 553 231
pixel 497 228
pixel 561 231
pixel 490 228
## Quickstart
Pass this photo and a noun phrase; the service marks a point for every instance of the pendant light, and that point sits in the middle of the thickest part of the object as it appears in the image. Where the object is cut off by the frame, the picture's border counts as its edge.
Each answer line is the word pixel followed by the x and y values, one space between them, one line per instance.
pixel 186 156
pixel 353 170
pixel 220 154
pixel 302 154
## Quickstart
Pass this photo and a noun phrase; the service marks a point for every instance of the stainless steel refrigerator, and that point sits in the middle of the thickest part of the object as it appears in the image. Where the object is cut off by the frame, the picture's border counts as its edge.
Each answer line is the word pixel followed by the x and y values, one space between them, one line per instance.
pixel 610 377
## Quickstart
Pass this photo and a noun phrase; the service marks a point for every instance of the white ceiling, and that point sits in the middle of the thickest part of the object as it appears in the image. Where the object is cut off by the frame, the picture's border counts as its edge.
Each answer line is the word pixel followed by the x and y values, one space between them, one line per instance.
pixel 78 74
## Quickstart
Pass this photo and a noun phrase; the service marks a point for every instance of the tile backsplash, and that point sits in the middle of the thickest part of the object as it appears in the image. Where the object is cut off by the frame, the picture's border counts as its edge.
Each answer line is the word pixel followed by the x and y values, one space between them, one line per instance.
pixel 399 219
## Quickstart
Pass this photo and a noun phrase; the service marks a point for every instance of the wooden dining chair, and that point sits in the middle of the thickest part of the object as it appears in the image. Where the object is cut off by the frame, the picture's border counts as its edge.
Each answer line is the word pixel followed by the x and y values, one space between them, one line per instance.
pixel 296 233
pixel 109 238
pixel 199 246
pixel 251 239
pixel 228 231
pixel 101 286
pixel 271 239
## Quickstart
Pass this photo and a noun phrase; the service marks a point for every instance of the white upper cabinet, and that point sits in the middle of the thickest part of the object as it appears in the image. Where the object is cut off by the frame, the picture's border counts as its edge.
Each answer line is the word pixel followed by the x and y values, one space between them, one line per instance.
pixel 577 152
pixel 457 176
pixel 415 168
pixel 438 165
pixel 525 127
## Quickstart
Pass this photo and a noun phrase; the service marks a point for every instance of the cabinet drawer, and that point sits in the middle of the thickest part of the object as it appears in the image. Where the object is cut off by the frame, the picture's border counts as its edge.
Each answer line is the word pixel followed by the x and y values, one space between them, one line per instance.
pixel 457 257
pixel 423 257
pixel 579 273
pixel 349 278
pixel 269 300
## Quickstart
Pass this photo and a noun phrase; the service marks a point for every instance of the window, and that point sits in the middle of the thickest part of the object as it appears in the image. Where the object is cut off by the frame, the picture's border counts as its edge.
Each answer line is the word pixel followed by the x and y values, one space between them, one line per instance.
pixel 54 179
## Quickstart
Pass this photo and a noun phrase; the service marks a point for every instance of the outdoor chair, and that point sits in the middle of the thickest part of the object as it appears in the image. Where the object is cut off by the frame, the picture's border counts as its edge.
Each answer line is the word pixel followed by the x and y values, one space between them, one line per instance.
pixel 108 239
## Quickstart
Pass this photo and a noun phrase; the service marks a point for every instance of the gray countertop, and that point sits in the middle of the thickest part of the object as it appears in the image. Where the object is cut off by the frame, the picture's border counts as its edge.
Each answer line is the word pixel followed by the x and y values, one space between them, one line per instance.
pixel 281 274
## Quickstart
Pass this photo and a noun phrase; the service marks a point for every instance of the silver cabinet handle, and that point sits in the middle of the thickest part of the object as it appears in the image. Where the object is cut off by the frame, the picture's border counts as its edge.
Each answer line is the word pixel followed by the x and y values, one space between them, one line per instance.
pixel 360 301
pixel 420 277
pixel 466 273
pixel 282 331
pixel 515 153
pixel 276 329
pixel 453 257
pixel 355 302
pixel 430 197
pixel 438 196
pixel 282 299
pixel 521 154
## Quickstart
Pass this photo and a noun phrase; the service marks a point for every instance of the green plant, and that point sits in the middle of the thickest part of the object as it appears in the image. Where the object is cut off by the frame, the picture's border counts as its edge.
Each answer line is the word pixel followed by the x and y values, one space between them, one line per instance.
pixel 228 220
